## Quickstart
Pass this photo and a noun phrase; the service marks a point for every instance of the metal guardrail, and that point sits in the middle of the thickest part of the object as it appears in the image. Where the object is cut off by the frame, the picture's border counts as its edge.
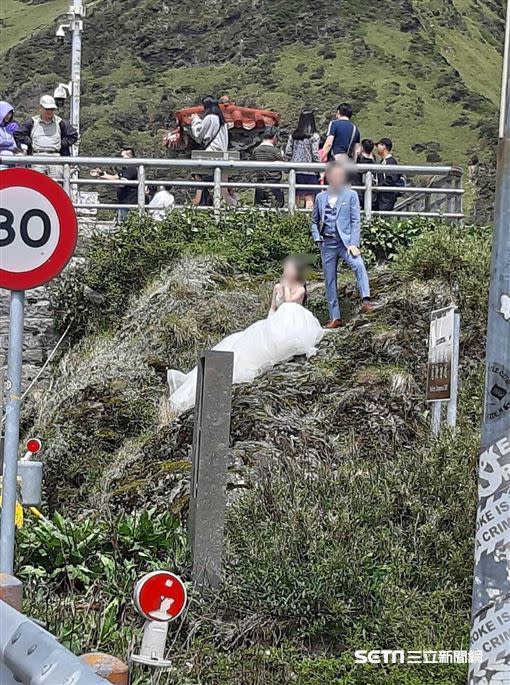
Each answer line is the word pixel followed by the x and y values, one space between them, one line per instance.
pixel 32 656
pixel 222 171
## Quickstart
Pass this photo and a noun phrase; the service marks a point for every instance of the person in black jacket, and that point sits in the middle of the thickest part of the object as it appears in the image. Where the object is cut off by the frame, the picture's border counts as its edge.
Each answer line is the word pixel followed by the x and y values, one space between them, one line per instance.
pixel 358 178
pixel 47 134
pixel 386 201
pixel 126 194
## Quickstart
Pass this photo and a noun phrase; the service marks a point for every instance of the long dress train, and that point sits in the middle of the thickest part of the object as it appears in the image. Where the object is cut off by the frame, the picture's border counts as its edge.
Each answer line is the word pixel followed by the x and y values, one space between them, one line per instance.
pixel 291 330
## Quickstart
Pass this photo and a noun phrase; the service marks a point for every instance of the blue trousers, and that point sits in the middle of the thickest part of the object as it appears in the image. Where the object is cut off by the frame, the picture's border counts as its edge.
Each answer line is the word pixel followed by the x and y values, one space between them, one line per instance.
pixel 332 250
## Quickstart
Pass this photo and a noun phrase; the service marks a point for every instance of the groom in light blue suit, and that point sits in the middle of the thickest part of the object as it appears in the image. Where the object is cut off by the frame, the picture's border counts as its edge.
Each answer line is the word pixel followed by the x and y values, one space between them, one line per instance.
pixel 336 225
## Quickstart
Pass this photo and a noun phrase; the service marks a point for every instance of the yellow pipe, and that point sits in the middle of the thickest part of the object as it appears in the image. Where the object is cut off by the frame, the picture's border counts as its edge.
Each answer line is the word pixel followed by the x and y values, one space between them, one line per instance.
pixel 37 514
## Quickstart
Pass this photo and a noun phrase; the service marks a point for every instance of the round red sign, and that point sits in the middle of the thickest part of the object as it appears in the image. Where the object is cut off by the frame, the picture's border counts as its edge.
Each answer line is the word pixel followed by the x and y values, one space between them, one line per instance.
pixel 160 596
pixel 33 445
pixel 38 229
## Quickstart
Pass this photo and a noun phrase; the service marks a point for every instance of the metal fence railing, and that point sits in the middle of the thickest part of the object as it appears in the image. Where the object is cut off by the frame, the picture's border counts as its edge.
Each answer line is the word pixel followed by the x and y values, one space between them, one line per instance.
pixel 223 174
pixel 32 656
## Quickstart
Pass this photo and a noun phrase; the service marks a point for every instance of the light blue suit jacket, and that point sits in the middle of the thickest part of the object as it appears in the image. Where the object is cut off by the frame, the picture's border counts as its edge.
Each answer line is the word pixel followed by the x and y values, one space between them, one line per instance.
pixel 348 217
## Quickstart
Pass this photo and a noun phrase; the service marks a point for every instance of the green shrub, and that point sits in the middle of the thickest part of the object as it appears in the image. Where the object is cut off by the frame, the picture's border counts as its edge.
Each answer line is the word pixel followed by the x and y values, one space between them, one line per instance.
pixel 118 265
pixel 461 258
pixel 383 239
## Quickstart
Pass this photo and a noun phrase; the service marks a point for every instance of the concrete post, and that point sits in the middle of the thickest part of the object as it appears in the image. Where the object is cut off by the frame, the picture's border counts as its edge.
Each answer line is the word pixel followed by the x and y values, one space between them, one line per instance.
pixel 209 469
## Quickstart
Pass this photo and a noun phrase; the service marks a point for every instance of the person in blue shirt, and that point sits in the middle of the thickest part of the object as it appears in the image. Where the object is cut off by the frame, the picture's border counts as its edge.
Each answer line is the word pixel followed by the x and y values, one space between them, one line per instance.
pixel 344 138
pixel 335 228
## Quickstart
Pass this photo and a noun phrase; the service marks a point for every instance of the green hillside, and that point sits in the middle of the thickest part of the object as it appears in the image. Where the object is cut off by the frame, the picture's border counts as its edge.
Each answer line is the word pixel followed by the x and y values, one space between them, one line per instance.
pixel 19 19
pixel 348 526
pixel 425 72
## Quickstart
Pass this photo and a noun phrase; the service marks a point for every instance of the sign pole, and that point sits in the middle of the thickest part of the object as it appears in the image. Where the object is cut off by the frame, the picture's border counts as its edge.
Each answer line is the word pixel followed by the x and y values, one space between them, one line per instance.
pixel 451 411
pixel 11 440
pixel 490 632
pixel 436 412
pixel 39 229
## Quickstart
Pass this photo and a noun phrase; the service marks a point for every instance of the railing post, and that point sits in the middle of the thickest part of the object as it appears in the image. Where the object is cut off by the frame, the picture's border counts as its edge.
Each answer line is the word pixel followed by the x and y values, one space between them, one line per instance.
pixel 217 191
pixel 459 199
pixel 292 191
pixel 141 187
pixel 368 200
pixel 67 179
pixel 450 200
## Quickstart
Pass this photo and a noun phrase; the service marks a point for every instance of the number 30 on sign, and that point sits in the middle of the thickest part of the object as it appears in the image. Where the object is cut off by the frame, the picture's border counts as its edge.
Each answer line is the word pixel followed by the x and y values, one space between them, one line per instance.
pixel 38 229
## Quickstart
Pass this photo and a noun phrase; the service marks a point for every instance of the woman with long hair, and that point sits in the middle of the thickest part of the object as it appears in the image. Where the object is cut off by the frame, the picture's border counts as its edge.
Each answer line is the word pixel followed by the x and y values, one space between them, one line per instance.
pixel 303 146
pixel 210 130
pixel 292 285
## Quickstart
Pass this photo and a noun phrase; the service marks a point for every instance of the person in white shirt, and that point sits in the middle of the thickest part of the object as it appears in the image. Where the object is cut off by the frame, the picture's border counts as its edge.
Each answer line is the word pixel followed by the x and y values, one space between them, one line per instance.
pixel 210 130
pixel 163 201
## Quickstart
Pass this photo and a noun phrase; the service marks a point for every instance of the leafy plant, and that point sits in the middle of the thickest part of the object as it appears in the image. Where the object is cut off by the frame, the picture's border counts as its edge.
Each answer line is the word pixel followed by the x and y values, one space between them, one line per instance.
pixel 383 239
pixel 80 574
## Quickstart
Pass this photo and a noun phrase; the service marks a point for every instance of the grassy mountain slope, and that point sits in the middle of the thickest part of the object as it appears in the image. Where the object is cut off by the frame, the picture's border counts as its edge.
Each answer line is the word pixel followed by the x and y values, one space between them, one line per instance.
pixel 19 19
pixel 425 72
pixel 348 526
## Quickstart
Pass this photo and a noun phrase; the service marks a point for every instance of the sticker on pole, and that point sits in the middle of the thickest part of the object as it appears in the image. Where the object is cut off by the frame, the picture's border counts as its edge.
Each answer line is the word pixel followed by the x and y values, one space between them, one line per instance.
pixel 38 229
pixel 160 596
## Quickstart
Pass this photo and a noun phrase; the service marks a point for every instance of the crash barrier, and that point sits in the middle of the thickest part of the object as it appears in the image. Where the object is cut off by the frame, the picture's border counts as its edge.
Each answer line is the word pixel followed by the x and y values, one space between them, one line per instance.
pixel 446 191
pixel 32 656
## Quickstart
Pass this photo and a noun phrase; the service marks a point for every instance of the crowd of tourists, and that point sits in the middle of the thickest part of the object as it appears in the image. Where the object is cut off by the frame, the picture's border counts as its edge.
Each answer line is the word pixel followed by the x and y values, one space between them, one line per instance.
pixel 47 134
pixel 336 208
pixel 342 143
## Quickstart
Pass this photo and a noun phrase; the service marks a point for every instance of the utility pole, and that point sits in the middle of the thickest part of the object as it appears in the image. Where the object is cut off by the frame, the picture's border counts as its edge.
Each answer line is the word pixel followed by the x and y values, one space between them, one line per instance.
pixel 490 632
pixel 75 14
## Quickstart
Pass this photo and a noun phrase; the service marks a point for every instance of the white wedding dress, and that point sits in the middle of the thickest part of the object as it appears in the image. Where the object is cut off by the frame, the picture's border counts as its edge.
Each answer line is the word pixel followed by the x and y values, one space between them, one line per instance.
pixel 291 330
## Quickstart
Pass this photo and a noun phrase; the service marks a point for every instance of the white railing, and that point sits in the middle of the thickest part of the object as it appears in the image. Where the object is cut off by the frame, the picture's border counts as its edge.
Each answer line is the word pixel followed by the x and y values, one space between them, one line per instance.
pixel 222 173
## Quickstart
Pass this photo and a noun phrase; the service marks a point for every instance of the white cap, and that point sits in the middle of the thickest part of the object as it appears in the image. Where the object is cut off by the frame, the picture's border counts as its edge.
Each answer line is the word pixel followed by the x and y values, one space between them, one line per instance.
pixel 48 102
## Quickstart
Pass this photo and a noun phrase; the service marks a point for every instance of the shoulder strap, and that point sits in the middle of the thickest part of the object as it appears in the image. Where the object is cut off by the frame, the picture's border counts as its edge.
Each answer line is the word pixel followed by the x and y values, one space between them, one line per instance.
pixel 351 142
pixel 220 126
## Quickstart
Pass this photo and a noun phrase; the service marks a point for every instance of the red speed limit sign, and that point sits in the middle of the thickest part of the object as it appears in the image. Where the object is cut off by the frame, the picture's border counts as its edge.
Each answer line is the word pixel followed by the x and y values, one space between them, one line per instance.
pixel 38 229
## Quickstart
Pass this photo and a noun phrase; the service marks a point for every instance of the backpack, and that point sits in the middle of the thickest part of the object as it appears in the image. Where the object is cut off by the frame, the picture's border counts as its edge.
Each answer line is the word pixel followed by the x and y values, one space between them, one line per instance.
pixel 401 182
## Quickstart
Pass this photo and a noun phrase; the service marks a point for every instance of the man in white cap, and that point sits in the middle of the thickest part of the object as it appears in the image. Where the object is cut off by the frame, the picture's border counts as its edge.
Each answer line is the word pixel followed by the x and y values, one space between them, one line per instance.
pixel 47 134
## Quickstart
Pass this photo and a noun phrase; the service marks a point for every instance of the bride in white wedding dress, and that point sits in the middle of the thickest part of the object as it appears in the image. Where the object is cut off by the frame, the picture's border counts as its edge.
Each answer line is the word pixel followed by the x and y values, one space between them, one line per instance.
pixel 289 330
